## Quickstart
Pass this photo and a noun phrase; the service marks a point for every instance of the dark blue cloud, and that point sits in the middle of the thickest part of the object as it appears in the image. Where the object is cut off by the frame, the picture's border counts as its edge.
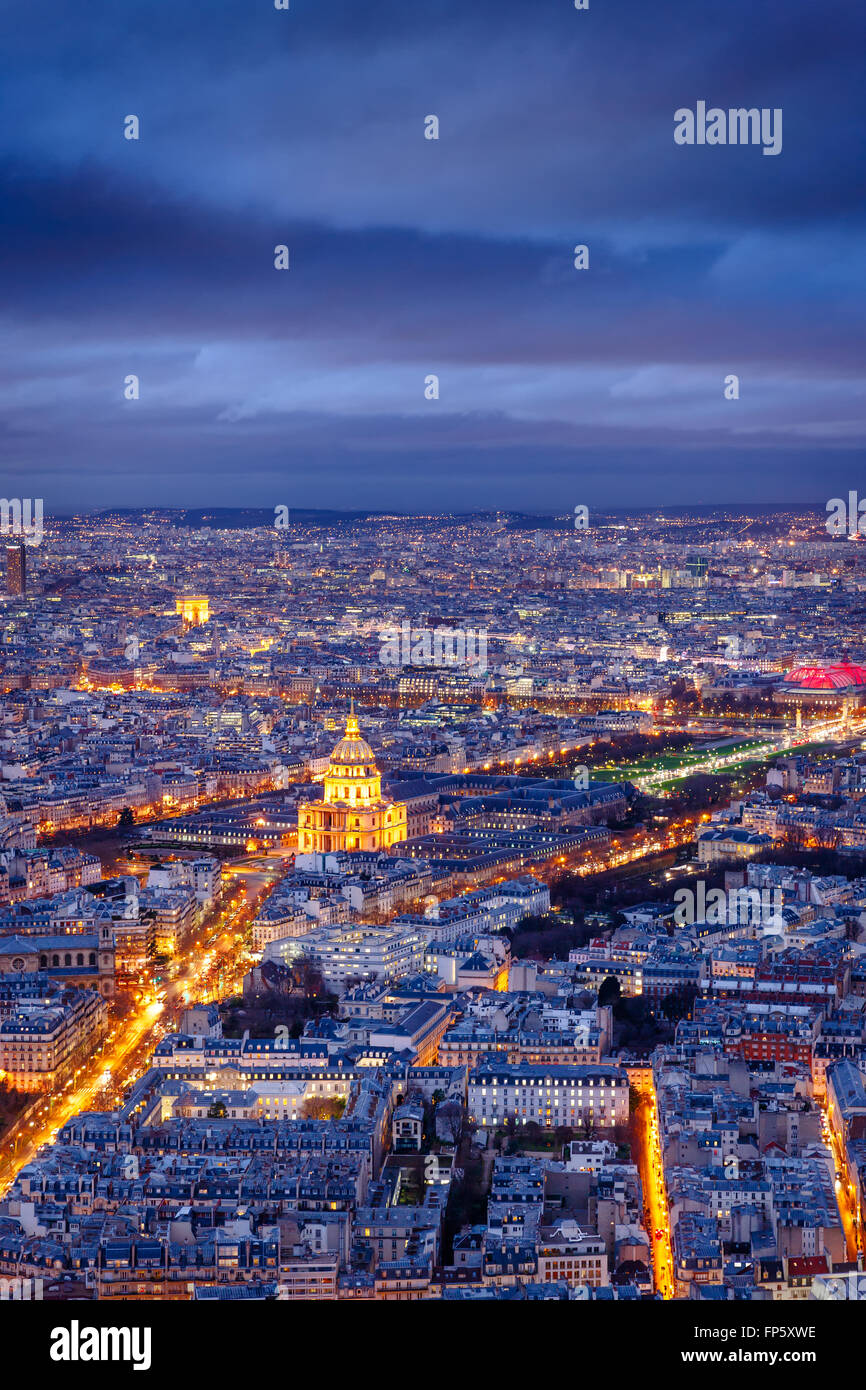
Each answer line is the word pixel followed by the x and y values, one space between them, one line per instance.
pixel 412 257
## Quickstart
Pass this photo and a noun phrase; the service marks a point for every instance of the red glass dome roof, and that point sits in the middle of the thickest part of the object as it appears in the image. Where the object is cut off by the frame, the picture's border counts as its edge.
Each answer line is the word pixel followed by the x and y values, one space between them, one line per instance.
pixel 836 677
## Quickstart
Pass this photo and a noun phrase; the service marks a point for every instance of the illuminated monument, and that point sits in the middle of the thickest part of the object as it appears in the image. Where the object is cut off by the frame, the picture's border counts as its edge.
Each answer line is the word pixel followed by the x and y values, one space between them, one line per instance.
pixel 194 610
pixel 351 814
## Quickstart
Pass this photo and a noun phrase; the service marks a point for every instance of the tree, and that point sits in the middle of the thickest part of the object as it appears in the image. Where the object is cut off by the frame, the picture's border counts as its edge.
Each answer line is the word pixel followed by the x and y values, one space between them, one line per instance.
pixel 217 1111
pixel 635 1023
pixel 308 978
pixel 126 818
pixel 548 937
pixel 679 1003
pixel 609 992
pixel 451 1122
pixel 323 1107
pixel 509 1130
pixel 12 1103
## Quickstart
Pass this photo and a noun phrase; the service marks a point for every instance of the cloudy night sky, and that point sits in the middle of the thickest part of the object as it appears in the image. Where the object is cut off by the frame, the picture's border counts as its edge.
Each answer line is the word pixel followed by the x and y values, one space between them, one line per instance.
pixel 411 257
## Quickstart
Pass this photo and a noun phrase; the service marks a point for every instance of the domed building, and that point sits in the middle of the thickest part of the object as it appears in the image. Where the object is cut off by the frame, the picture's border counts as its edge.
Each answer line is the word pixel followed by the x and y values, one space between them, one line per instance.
pixel 351 815
pixel 832 684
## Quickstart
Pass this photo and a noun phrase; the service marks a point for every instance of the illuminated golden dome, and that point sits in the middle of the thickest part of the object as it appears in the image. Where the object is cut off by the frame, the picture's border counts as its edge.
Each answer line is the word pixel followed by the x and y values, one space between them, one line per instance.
pixel 351 814
pixel 352 775
pixel 352 748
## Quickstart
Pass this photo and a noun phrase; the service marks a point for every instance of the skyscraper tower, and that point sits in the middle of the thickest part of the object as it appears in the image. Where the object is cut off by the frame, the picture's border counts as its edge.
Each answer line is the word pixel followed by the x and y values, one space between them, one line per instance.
pixel 697 567
pixel 16 570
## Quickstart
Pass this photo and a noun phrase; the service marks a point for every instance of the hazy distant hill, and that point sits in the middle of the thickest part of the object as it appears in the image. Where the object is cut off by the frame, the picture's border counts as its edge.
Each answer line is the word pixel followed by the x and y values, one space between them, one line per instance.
pixel 232 518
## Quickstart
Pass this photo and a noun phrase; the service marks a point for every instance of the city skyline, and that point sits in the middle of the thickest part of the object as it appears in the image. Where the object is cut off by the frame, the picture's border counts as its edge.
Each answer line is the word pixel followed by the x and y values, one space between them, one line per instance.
pixel 442 898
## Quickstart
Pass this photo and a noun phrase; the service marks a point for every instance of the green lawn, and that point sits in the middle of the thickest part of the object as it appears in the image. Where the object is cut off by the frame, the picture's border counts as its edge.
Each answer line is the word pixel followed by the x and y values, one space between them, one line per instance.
pixel 677 763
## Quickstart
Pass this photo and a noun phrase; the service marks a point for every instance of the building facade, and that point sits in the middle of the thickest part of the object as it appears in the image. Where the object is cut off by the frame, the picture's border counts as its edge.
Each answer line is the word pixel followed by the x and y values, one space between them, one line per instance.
pixel 352 814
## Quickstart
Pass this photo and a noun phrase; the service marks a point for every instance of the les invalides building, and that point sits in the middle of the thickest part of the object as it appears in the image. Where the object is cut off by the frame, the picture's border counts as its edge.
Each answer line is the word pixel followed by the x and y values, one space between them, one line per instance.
pixel 351 814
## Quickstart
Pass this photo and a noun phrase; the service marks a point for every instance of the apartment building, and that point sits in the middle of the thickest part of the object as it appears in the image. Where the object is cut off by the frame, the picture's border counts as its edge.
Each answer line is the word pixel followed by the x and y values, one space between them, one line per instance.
pixel 548 1095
